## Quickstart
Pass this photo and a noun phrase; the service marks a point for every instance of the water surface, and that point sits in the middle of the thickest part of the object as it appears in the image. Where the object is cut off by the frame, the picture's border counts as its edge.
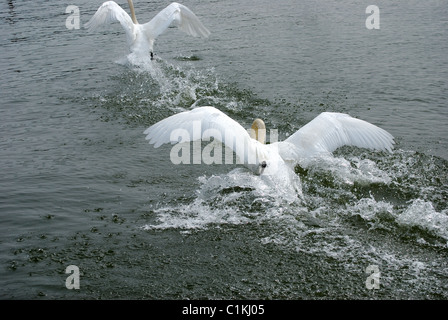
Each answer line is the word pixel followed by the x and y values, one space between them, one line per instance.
pixel 81 186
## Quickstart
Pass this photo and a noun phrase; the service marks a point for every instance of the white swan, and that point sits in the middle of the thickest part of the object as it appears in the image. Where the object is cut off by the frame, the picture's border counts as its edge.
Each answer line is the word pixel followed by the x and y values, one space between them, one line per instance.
pixel 323 135
pixel 140 37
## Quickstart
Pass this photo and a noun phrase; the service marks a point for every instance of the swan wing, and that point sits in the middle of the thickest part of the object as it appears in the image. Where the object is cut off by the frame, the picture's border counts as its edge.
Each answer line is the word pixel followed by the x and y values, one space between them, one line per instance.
pixel 203 123
pixel 329 131
pixel 178 15
pixel 110 12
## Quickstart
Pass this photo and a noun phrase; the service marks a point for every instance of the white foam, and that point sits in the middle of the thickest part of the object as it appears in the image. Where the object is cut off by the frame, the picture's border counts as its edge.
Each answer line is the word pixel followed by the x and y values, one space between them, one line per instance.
pixel 362 171
pixel 238 197
pixel 197 215
pixel 423 215
pixel 419 214
pixel 372 211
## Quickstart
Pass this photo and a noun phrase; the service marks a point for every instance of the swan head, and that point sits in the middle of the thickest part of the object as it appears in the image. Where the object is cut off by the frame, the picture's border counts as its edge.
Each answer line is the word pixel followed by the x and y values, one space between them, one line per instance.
pixel 261 167
pixel 258 131
pixel 266 158
pixel 274 171
pixel 269 161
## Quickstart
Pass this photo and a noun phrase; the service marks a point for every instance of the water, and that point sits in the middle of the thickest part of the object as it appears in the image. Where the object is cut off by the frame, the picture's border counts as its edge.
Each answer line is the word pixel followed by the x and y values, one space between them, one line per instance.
pixel 81 186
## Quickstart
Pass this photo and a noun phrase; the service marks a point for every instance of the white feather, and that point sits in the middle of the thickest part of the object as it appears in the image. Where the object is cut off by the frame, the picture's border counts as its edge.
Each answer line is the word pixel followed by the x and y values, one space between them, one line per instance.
pixel 202 124
pixel 274 162
pixel 178 15
pixel 140 37
pixel 323 135
pixel 329 131
pixel 110 12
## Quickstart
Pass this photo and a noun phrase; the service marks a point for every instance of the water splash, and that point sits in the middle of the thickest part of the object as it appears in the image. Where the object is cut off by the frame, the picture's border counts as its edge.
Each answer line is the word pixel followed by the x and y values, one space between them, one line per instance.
pixel 351 200
pixel 349 170
pixel 334 188
pixel 147 91
pixel 238 197
pixel 421 214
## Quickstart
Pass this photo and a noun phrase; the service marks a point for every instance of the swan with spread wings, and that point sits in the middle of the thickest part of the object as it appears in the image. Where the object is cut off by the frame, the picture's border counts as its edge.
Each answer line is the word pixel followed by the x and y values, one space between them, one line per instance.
pixel 141 37
pixel 318 138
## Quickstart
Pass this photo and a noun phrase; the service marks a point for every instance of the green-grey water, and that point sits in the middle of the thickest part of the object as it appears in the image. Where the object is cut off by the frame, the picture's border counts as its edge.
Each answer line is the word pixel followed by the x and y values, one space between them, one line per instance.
pixel 81 186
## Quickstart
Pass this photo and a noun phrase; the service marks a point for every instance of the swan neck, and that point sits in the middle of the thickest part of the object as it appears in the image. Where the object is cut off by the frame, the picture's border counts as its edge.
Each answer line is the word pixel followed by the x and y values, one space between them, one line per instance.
pixel 131 6
pixel 259 131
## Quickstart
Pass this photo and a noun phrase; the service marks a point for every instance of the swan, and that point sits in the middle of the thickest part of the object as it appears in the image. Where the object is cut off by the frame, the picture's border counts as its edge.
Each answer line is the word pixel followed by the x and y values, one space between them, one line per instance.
pixel 141 37
pixel 277 160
